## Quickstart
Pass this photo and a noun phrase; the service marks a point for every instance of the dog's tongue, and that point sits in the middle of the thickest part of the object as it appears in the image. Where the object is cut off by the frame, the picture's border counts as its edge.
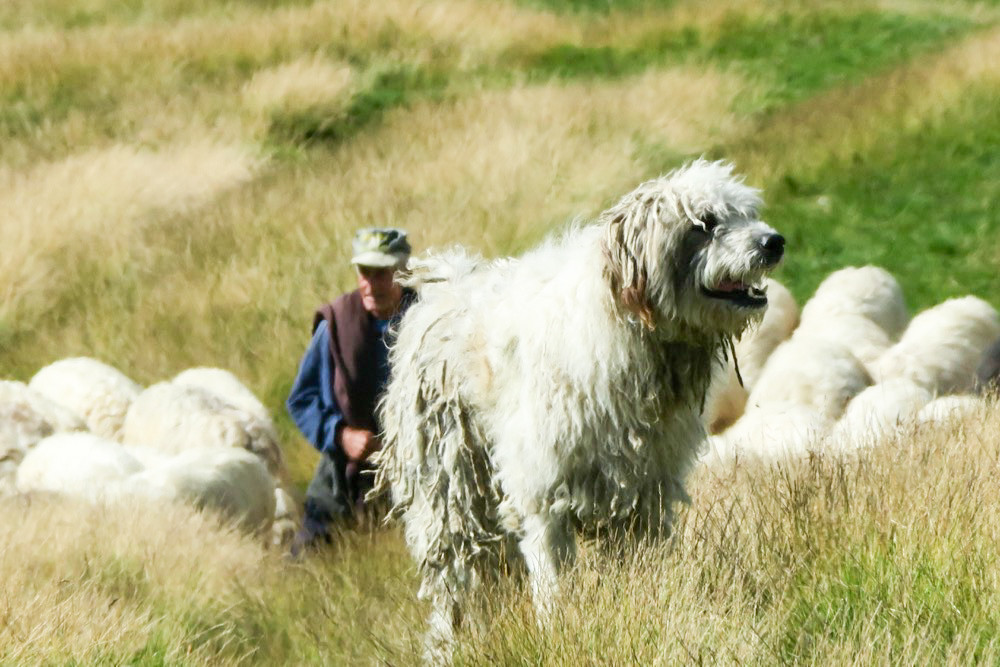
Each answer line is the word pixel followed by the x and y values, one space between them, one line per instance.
pixel 730 286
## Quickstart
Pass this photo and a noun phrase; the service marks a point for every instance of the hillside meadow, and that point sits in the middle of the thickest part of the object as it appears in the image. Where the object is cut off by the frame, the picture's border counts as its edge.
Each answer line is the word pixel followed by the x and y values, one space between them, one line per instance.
pixel 179 183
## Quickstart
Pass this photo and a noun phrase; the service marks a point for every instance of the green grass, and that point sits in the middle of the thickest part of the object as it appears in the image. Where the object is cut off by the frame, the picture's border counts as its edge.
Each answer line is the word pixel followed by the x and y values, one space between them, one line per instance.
pixel 920 204
pixel 599 6
pixel 768 569
pixel 75 14
pixel 791 55
pixel 391 88
pixel 890 594
pixel 801 55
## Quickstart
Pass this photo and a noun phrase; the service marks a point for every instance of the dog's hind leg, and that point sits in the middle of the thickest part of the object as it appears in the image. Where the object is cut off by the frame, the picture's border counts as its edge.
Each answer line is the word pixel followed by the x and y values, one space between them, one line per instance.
pixel 549 546
pixel 440 637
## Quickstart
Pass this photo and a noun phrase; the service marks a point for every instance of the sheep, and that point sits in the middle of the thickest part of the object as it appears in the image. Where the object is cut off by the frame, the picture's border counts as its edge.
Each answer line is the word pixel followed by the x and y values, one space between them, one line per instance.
pixel 867 291
pixel 98 393
pixel 942 347
pixel 878 411
pixel 79 464
pixel 770 433
pixel 988 372
pixel 817 373
pixel 26 417
pixel 173 417
pixel 59 418
pixel 233 482
pixel 20 428
pixel 863 337
pixel 947 408
pixel 227 386
pixel 726 395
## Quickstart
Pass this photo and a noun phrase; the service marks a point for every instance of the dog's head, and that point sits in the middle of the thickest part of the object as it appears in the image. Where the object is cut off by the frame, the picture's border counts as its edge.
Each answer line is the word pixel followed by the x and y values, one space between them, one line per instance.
pixel 687 251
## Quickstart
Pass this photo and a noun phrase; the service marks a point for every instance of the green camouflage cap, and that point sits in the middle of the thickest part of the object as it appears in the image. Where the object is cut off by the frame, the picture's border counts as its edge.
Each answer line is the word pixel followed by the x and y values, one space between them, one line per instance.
pixel 380 247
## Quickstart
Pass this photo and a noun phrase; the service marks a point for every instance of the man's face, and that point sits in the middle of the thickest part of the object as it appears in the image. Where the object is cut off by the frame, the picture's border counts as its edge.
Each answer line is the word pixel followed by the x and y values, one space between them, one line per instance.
pixel 380 294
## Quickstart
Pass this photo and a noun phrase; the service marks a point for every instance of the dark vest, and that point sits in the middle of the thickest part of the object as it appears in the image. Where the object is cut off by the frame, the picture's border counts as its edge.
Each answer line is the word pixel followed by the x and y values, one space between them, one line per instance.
pixel 354 347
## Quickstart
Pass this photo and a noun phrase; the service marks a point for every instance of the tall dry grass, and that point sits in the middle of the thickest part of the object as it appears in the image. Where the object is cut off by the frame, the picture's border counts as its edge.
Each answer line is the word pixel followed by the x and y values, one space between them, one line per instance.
pixel 463 31
pixel 489 168
pixel 93 207
pixel 161 583
pixel 300 85
pixel 888 555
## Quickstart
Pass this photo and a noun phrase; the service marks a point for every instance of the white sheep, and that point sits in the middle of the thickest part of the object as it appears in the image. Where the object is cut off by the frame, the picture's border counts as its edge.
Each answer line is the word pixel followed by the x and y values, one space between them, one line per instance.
pixel 95 391
pixel 878 411
pixel 948 408
pixel 20 428
pixel 58 417
pixel 866 291
pixel 227 386
pixel 817 373
pixel 863 337
pixel 26 417
pixel 173 418
pixel 771 433
pixel 231 481
pixel 942 347
pixel 79 464
pixel 726 396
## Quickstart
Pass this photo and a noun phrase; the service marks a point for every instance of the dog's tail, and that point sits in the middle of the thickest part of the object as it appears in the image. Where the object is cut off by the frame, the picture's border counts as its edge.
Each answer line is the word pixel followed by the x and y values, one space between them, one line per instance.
pixel 441 266
pixel 435 460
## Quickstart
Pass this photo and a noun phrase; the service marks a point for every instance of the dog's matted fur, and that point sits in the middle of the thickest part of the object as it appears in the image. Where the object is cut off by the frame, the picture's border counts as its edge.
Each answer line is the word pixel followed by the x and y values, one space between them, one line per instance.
pixel 561 391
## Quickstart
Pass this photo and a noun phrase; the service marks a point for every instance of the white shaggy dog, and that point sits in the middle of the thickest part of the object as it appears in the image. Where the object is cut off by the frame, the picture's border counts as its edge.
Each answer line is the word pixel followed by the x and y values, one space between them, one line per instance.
pixel 563 390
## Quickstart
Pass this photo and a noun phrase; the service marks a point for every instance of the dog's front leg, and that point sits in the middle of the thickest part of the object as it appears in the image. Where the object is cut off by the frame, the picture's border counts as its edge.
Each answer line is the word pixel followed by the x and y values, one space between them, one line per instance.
pixel 548 546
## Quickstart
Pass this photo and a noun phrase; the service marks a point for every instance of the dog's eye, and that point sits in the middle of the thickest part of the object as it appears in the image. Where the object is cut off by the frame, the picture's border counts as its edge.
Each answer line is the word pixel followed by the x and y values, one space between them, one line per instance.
pixel 708 221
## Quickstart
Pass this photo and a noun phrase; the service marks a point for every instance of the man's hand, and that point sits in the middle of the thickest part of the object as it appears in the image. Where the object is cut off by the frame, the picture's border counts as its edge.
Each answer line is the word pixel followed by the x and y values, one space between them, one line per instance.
pixel 358 443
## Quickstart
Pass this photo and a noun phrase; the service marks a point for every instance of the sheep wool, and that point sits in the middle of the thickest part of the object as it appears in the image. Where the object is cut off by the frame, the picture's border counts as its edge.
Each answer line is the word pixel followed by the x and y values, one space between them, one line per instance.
pixel 98 393
pixel 818 373
pixel 863 337
pixel 20 428
pixel 59 418
pixel 950 408
pixel 26 417
pixel 878 411
pixel 173 418
pixel 230 481
pixel 79 464
pixel 228 387
pixel 943 346
pixel 866 291
pixel 768 434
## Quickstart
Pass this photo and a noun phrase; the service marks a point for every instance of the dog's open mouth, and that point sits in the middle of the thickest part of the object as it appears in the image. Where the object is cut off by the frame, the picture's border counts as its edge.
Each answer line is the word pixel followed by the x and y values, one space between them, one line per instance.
pixel 738 293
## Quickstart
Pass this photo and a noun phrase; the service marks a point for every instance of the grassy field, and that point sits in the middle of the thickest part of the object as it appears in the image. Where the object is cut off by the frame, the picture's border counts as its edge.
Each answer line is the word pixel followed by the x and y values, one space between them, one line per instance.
pixel 179 182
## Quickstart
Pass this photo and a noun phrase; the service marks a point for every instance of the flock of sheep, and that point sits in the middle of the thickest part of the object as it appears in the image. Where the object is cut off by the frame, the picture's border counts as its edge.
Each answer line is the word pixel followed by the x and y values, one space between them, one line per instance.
pixel 83 429
pixel 847 370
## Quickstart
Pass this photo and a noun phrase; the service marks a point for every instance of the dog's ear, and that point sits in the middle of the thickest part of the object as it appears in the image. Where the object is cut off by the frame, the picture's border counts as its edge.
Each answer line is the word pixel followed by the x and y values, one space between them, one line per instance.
pixel 625 266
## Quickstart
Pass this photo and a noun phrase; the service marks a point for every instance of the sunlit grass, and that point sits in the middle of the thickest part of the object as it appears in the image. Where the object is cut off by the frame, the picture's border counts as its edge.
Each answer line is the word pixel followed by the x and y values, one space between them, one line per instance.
pixel 179 185
pixel 885 555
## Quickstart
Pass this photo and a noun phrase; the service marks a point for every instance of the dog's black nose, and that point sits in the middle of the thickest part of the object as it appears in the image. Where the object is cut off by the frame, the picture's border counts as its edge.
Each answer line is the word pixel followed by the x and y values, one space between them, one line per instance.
pixel 773 246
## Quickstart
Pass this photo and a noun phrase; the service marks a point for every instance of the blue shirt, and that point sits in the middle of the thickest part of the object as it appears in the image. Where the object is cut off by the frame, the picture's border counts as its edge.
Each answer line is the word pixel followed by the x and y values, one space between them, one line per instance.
pixel 311 402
